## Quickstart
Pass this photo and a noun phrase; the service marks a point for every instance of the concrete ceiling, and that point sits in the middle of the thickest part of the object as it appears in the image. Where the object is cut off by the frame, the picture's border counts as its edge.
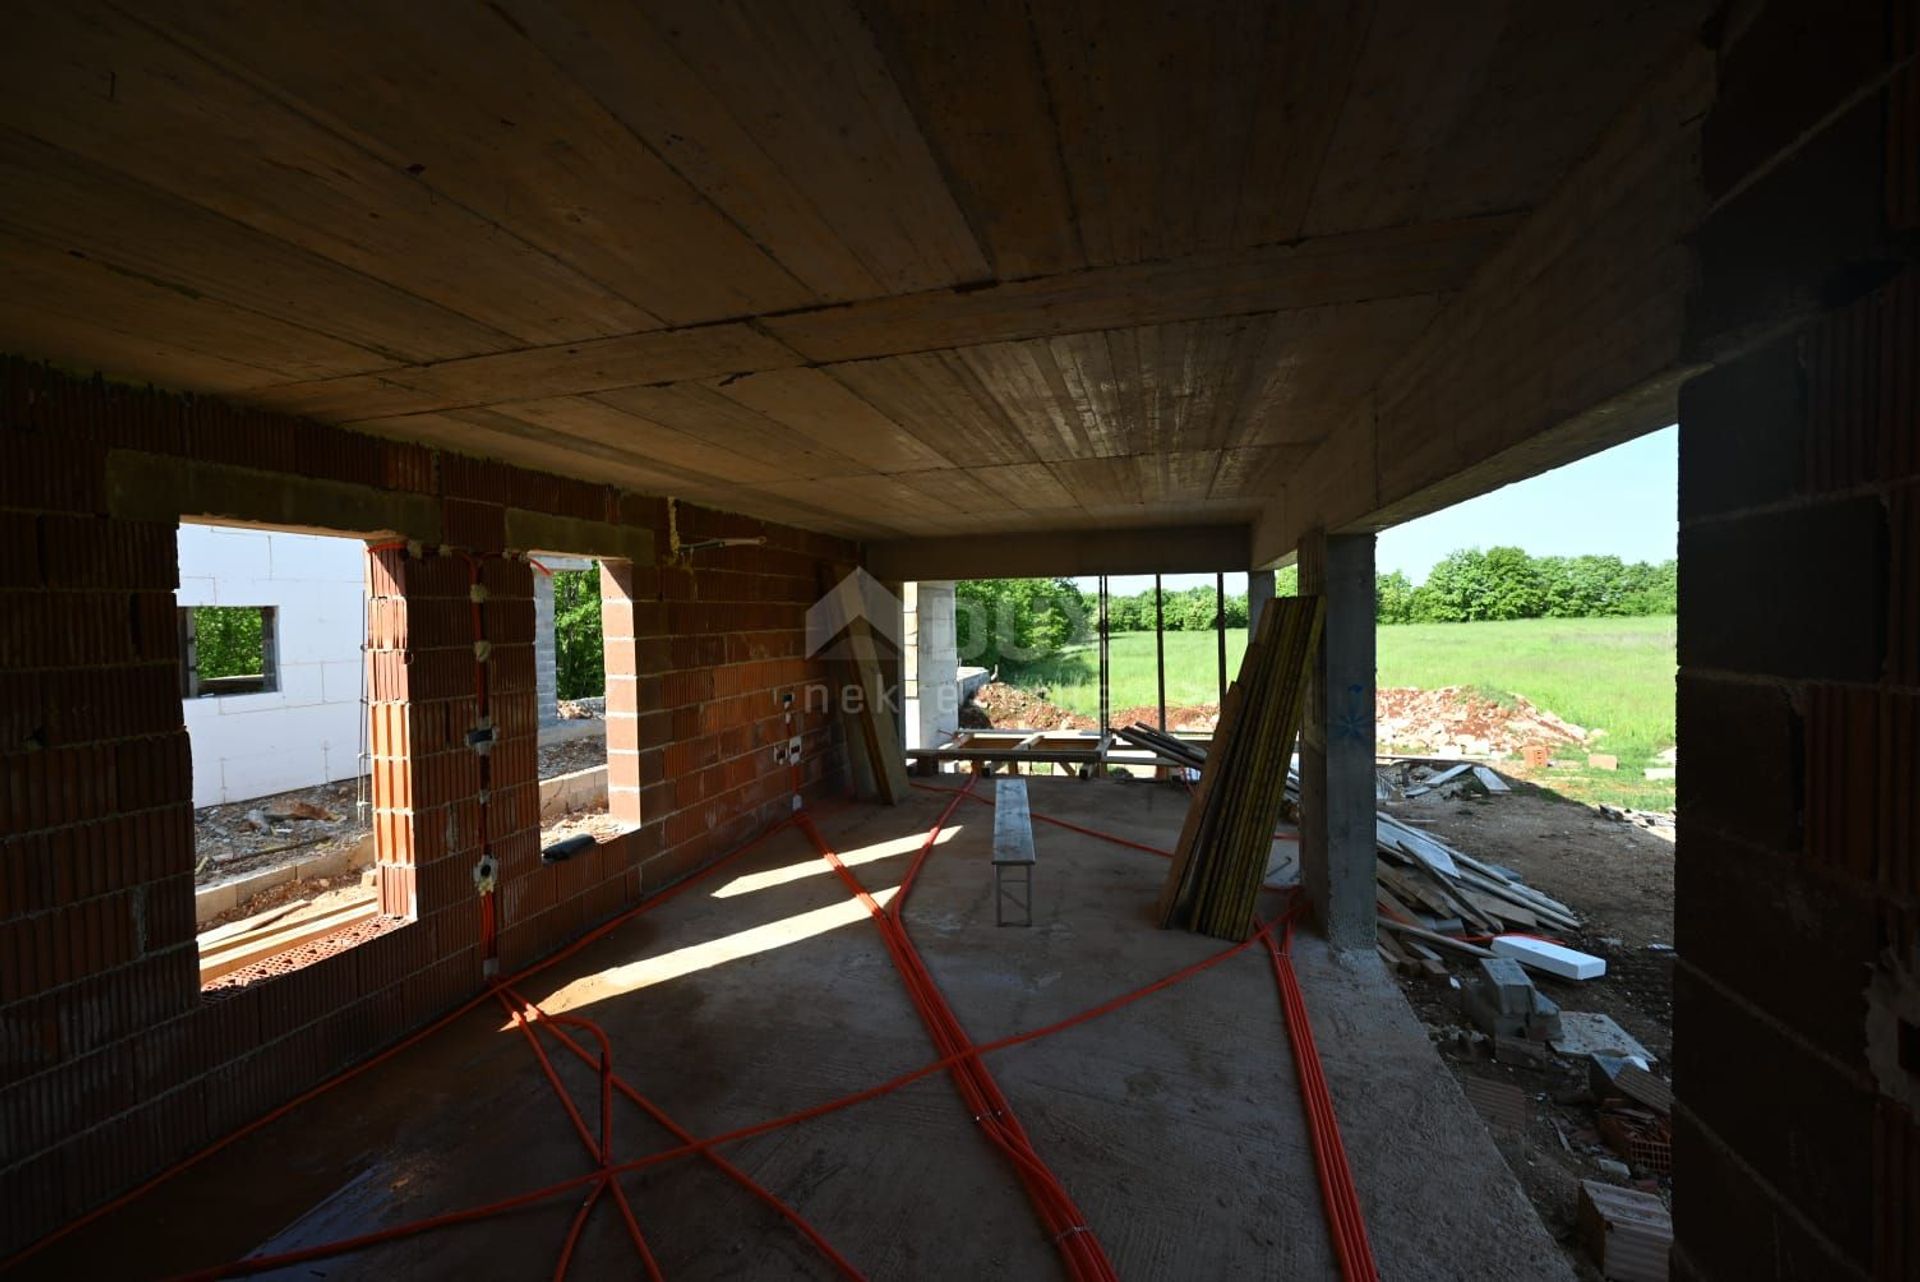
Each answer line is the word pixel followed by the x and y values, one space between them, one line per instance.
pixel 873 267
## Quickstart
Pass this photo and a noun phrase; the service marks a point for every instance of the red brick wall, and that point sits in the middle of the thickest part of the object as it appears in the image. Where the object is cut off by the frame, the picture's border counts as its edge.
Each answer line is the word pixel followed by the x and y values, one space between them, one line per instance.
pixel 1795 1146
pixel 112 1062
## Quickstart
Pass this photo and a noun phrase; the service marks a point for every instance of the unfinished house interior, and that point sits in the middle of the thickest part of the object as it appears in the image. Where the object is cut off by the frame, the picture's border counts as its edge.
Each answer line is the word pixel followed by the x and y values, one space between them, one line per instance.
pixel 788 316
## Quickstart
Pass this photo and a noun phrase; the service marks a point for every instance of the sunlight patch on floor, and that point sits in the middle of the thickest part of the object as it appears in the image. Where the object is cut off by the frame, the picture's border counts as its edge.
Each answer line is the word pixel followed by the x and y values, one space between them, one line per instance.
pixel 714 952
pixel 814 866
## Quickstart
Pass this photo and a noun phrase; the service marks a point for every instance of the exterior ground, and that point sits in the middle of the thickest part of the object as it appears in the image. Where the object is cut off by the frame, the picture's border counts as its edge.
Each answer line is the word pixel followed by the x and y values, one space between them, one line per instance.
pixel 249 836
pixel 1613 677
pixel 1619 878
pixel 1176 1121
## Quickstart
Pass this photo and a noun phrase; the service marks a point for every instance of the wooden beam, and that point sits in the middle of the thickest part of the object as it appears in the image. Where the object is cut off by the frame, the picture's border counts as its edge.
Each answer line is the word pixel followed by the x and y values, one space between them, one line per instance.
pixel 242 951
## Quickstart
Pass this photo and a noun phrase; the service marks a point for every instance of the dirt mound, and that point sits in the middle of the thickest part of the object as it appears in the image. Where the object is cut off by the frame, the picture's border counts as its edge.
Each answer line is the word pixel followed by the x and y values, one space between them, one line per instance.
pixel 1200 716
pixel 1453 719
pixel 1014 708
pixel 1456 718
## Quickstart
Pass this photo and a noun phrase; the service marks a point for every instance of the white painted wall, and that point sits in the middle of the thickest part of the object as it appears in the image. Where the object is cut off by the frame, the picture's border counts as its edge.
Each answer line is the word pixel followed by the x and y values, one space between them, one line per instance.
pixel 308 731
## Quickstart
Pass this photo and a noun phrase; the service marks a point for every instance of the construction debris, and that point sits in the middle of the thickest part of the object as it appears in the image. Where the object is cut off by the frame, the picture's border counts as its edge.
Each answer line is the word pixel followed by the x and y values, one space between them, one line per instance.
pixel 233 947
pixel 1628 1233
pixel 1224 847
pixel 1504 1003
pixel 1179 752
pixel 1589 1033
pixel 1518 1052
pixel 1423 882
pixel 1460 722
pixel 1504 1105
pixel 1661 824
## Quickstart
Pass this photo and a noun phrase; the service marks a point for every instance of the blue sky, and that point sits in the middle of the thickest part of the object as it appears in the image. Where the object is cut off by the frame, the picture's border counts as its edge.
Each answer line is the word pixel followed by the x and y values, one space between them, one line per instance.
pixel 1620 501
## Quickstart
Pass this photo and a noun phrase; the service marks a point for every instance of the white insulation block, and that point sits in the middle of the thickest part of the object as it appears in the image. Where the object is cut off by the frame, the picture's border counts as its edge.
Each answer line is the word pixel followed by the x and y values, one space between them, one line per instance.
pixel 1567 963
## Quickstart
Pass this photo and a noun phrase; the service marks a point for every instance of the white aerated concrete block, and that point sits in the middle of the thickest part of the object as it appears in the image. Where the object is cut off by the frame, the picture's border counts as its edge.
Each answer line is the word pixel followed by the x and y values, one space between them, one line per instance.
pixel 1567 963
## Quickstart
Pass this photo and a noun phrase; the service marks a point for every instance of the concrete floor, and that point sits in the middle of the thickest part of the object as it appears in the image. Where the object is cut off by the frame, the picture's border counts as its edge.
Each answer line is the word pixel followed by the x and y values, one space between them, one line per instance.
pixel 1175 1122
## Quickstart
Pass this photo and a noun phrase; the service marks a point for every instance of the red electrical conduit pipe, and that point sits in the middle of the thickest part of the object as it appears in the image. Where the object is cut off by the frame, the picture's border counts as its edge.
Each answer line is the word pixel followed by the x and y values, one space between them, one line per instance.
pixel 684 1136
pixel 601 1149
pixel 259 1264
pixel 1077 1243
pixel 381 1057
pixel 1262 932
pixel 1338 1196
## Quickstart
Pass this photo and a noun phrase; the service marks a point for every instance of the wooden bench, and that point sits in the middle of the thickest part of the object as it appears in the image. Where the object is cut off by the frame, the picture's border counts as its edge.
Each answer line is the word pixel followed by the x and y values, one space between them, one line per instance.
pixel 1013 857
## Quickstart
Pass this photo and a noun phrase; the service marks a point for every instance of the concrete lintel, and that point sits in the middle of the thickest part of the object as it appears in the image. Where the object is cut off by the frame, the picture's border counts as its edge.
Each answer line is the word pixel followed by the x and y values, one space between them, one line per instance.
pixel 155 487
pixel 1180 549
pixel 529 531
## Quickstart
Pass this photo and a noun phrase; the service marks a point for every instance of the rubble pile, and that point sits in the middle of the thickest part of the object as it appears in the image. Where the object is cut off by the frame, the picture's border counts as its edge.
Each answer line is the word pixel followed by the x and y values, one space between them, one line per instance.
pixel 1457 721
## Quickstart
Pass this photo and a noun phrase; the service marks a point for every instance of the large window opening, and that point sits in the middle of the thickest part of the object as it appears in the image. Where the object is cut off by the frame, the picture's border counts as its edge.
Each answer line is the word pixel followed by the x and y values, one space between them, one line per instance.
pixel 272 680
pixel 571 659
pixel 1525 717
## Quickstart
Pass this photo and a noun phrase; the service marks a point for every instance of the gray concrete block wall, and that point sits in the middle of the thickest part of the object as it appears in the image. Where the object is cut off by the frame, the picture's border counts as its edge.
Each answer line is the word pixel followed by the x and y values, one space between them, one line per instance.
pixel 1799 683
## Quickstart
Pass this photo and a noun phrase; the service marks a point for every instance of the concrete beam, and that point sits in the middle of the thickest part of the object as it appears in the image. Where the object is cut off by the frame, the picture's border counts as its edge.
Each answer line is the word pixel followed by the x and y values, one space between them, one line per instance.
pixel 154 487
pixel 1259 592
pixel 1181 549
pixel 1568 339
pixel 1336 741
pixel 529 531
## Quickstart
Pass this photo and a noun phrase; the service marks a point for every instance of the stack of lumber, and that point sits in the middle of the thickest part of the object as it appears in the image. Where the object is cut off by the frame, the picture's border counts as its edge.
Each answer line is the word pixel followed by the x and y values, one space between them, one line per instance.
pixel 1173 751
pixel 1429 894
pixel 1224 847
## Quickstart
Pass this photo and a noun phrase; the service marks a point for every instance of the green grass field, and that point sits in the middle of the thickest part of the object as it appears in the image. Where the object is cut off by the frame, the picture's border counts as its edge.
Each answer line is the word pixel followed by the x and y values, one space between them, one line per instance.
pixel 1614 675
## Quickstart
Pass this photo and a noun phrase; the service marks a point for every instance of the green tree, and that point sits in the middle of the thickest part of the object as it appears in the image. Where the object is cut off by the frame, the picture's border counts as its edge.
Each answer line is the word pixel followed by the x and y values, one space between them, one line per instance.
pixel 1513 586
pixel 579 649
pixel 1012 624
pixel 228 641
pixel 1393 598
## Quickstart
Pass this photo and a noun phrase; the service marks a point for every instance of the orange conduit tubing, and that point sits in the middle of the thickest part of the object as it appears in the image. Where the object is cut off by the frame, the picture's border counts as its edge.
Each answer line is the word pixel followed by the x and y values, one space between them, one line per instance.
pixel 410 1040
pixel 600 1149
pixel 1075 1239
pixel 1338 1196
pixel 684 1136
pixel 261 1264
pixel 962 1054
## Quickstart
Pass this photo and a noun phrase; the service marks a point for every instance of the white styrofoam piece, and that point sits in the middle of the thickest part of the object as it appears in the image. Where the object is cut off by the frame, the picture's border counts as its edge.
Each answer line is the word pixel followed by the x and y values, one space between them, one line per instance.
pixel 308 730
pixel 1567 963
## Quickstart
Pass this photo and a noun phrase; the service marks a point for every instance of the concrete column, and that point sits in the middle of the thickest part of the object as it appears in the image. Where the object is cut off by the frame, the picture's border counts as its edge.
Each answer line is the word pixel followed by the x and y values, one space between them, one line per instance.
pixel 1259 592
pixel 937 655
pixel 910 663
pixel 545 674
pixel 1336 742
